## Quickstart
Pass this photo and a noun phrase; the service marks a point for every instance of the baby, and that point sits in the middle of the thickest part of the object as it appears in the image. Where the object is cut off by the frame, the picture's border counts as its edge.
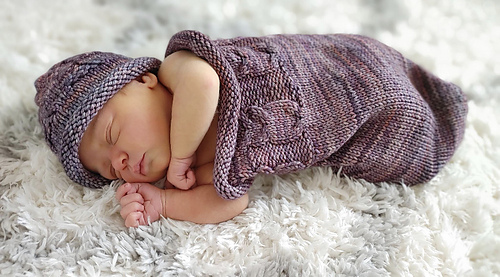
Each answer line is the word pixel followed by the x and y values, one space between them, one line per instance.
pixel 215 113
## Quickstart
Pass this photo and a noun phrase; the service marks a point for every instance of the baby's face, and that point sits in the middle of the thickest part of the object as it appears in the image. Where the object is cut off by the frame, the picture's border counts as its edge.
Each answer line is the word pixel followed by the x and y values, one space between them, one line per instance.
pixel 129 138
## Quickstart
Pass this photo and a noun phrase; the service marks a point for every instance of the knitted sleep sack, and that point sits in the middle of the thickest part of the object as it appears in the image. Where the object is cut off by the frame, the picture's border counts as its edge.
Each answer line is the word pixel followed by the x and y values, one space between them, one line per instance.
pixel 289 102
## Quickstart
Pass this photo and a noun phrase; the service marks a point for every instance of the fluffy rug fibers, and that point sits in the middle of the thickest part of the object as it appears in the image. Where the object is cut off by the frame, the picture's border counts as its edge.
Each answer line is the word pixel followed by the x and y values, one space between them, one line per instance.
pixel 313 223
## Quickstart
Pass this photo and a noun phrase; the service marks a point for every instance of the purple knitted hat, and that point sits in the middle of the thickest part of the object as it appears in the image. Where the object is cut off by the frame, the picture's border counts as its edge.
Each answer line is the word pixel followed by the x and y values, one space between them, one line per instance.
pixel 72 92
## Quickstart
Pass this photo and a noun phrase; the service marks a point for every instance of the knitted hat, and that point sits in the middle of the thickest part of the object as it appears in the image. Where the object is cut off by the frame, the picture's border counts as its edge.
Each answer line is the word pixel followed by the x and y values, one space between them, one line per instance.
pixel 72 92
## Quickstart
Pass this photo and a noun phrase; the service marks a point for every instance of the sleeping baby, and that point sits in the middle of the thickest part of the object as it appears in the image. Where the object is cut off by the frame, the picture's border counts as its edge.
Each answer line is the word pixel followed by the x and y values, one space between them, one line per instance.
pixel 215 113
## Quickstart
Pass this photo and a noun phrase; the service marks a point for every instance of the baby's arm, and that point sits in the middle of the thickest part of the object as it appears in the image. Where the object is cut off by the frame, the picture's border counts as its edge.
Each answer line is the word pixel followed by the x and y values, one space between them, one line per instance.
pixel 201 204
pixel 195 88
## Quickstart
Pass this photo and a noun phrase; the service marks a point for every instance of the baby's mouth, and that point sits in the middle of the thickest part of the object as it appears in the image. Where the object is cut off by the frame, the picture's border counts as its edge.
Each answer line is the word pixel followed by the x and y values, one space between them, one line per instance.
pixel 139 167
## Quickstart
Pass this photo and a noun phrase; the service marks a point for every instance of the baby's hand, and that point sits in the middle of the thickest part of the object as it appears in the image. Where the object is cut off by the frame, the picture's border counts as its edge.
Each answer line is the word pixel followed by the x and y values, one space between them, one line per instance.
pixel 180 174
pixel 139 201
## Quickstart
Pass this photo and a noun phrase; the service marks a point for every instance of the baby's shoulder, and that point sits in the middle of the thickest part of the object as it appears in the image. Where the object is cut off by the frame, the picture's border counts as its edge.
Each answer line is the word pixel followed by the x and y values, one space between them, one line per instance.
pixel 181 57
pixel 185 66
pixel 185 62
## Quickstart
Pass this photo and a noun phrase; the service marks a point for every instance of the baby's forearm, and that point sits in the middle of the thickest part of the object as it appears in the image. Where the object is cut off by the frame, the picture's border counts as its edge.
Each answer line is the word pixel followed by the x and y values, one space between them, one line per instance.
pixel 195 89
pixel 190 122
pixel 200 205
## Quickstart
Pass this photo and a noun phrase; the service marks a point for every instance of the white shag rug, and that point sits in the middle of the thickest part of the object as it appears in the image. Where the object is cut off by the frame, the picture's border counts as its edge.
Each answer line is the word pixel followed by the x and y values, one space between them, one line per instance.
pixel 309 224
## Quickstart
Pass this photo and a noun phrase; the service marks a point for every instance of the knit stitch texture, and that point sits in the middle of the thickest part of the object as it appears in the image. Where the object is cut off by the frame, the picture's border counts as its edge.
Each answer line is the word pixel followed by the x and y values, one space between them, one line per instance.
pixel 288 102
pixel 72 92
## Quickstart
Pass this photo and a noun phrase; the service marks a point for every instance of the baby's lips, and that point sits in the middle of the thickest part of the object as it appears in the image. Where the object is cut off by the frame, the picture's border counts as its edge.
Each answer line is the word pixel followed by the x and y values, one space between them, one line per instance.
pixel 139 167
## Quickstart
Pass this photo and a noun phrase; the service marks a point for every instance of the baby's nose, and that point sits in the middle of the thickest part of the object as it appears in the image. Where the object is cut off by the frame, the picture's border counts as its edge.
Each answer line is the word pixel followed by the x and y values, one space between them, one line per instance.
pixel 119 159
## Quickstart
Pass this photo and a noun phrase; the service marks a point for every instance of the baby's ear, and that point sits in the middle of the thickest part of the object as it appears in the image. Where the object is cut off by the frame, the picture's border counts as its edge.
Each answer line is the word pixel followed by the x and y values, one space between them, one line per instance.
pixel 149 79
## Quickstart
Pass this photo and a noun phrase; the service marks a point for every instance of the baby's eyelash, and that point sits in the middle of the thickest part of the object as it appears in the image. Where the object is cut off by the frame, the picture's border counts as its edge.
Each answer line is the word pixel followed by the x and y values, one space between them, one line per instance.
pixel 108 134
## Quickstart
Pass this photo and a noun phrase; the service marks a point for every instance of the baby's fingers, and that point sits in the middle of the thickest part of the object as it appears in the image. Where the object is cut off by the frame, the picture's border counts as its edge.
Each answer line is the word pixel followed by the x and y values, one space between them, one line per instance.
pixel 134 219
pixel 125 189
pixel 129 198
pixel 128 188
pixel 183 180
pixel 131 208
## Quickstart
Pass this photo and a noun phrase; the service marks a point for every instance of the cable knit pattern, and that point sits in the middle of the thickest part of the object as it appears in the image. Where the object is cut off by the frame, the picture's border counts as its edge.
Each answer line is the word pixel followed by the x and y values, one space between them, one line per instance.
pixel 288 102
